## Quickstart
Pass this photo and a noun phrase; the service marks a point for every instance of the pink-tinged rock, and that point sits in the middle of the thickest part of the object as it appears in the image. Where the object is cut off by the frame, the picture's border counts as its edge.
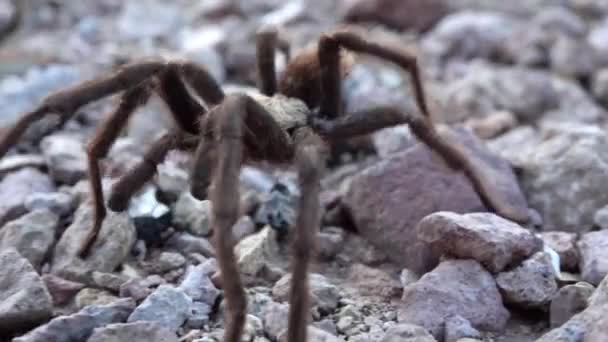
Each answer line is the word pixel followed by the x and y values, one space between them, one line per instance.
pixel 455 287
pixel 16 187
pixel 387 200
pixel 493 241
pixel 594 256
pixel 564 244
pixel 374 282
pixel 61 290
pixel 399 14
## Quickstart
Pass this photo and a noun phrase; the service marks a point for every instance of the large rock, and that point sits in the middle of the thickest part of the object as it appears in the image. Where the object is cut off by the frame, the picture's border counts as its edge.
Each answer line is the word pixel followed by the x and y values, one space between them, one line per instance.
pixel 594 256
pixel 79 326
pixel 569 301
pixel 138 331
pixel 24 300
pixel 531 284
pixel 493 241
pixel 167 305
pixel 197 284
pixel 15 189
pixel 388 199
pixel 112 246
pixel 32 235
pixel 564 178
pixel 399 14
pixel 455 287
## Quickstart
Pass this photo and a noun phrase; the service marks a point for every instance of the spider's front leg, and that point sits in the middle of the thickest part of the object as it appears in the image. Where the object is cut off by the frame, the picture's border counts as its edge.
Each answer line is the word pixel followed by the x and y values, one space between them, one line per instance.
pixel 67 102
pixel 311 155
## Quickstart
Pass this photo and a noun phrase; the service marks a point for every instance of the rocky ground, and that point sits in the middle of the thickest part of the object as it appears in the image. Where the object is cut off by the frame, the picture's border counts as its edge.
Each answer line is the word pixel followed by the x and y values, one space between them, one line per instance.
pixel 407 250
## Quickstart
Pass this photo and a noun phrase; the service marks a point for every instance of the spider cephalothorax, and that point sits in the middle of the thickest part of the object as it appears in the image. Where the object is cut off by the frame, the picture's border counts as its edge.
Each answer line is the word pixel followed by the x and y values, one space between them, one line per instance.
pixel 293 121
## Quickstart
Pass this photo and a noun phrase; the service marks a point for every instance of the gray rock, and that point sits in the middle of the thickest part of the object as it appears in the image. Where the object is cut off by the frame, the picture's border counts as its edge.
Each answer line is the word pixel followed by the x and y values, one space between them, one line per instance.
pixel 569 301
pixel 418 15
pixel 256 251
pixel 188 243
pixel 324 295
pixel 24 300
pixel 576 329
pixel 552 179
pixel 192 215
pixel 594 256
pixel 167 305
pixel 172 179
pixel 408 277
pixel 109 281
pixel 574 58
pixel 330 242
pixel 32 235
pixel 15 189
pixel 455 287
pixel 274 317
pixel 165 262
pixel 469 34
pixel 65 157
pixel 60 203
pixel 112 246
pixel 138 331
pixel 198 285
pixel 198 316
pixel 61 290
pixel 564 244
pixel 161 19
pixel 531 284
pixel 407 333
pixel 599 332
pixel 140 288
pixel 79 326
pixel 493 241
pixel 243 227
pixel 314 335
pixel 372 282
pixel 457 327
pixel 599 86
pixel 91 296
pixel 15 162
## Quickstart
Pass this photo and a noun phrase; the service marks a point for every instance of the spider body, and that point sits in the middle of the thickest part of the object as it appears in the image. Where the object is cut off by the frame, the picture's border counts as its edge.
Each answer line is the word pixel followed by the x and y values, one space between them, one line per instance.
pixel 293 121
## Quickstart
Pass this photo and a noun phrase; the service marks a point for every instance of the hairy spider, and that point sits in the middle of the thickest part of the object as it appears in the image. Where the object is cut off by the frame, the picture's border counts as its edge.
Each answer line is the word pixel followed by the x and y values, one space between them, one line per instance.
pixel 293 121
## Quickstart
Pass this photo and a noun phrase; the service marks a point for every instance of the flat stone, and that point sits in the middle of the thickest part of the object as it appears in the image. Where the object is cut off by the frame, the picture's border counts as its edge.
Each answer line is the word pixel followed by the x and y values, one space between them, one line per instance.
pixel 167 305
pixel 138 331
pixel 15 189
pixel 493 241
pixel 112 246
pixel 79 326
pixel 24 300
pixel 198 285
pixel 65 157
pixel 32 235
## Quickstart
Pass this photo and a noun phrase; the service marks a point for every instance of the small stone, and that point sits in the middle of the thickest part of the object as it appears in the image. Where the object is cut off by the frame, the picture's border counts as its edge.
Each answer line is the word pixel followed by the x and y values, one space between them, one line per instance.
pixel 188 243
pixel 32 235
pixel 277 209
pixel 167 305
pixel 16 187
pixel 253 327
pixel 564 244
pixel 24 300
pixel 457 327
pixel 315 335
pixel 109 281
pixel 192 215
pixel 274 318
pixel 61 290
pixel 243 228
pixel 166 262
pixel 198 285
pixel 256 251
pixel 569 301
pixel 407 333
pixel 15 162
pixel 91 296
pixel 324 295
pixel 599 88
pixel 199 315
pixel 330 242
pixel 408 277
pixel 65 157
pixel 372 282
pixel 79 326
pixel 138 331
pixel 60 203
pixel 172 179
pixel 594 256
pixel 139 288
pixel 485 237
pixel 531 284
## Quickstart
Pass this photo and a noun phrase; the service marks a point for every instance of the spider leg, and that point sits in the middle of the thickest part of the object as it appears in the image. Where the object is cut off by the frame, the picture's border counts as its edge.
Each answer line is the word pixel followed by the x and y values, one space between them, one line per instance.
pixel 452 151
pixel 99 147
pixel 202 83
pixel 66 102
pixel 134 179
pixel 267 43
pixel 329 60
pixel 310 160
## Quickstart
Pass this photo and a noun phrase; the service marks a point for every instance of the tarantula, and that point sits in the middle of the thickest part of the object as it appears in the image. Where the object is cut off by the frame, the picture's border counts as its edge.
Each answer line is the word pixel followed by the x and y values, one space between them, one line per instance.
pixel 293 121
